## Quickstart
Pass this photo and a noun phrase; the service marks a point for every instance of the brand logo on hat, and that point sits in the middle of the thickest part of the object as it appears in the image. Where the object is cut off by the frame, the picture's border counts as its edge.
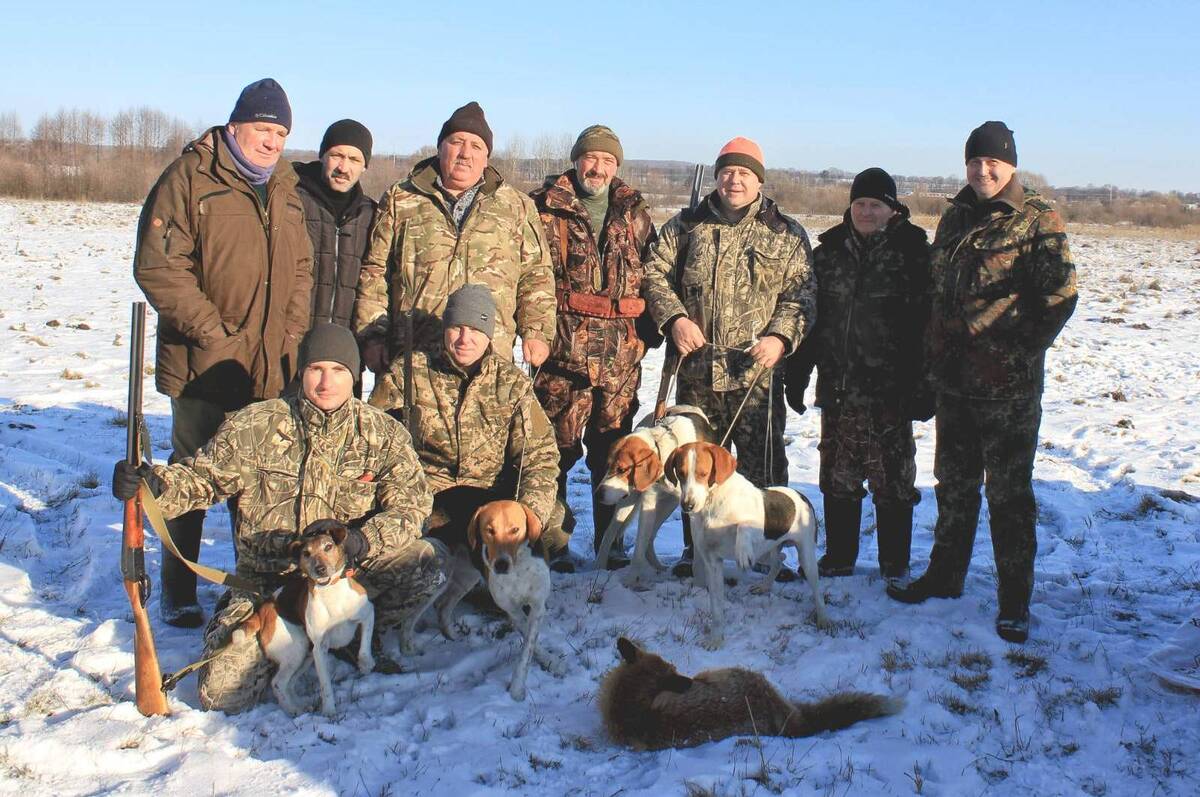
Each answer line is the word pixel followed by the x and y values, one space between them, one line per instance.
pixel 266 116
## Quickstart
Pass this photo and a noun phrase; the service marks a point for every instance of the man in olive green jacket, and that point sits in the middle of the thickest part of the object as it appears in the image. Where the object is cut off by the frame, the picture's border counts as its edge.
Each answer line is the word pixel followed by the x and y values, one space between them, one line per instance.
pixel 224 258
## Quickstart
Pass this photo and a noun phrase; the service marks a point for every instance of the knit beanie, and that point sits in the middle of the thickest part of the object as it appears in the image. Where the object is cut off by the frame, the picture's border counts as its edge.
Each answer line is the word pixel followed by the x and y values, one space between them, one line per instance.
pixel 874 183
pixel 992 140
pixel 347 132
pixel 598 138
pixel 472 306
pixel 742 152
pixel 263 101
pixel 330 342
pixel 468 119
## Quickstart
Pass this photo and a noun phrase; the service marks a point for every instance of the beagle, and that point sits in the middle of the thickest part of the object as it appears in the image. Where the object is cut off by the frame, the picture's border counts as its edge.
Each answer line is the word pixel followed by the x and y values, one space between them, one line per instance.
pixel 634 482
pixel 502 545
pixel 733 519
pixel 319 610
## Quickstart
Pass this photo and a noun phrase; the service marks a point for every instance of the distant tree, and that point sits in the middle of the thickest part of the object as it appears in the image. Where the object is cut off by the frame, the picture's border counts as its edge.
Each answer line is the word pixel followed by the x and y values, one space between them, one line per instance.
pixel 10 128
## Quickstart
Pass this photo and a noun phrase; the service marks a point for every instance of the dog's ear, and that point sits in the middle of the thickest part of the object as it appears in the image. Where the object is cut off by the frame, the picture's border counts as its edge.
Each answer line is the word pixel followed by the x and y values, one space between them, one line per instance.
pixel 645 471
pixel 724 464
pixel 533 526
pixel 338 533
pixel 671 469
pixel 473 529
pixel 676 683
pixel 629 651
pixel 293 547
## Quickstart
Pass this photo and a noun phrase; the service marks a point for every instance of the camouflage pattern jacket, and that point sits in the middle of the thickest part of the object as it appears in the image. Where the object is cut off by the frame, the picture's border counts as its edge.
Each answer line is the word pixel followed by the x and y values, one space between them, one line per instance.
pixel 737 281
pixel 602 349
pixel 475 429
pixel 1003 288
pixel 872 309
pixel 289 463
pixel 418 256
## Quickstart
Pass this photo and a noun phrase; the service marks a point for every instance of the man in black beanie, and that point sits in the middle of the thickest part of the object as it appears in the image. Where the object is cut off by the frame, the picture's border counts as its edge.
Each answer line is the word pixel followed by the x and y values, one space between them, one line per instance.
pixel 321 454
pixel 1003 288
pixel 339 216
pixel 454 219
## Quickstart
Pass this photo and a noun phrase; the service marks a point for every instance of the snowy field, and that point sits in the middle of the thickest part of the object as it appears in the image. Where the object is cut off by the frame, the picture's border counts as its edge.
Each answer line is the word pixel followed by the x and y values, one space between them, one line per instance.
pixel 1075 711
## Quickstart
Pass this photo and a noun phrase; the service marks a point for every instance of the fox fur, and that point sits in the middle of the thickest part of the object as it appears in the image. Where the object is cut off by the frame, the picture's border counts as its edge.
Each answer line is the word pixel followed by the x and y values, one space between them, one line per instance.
pixel 647 704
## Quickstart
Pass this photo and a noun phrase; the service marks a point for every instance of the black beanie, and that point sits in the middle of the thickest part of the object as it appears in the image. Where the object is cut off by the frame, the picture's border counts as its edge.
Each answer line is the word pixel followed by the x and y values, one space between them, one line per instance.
pixel 332 342
pixel 992 140
pixel 263 101
pixel 874 183
pixel 468 119
pixel 348 132
pixel 471 306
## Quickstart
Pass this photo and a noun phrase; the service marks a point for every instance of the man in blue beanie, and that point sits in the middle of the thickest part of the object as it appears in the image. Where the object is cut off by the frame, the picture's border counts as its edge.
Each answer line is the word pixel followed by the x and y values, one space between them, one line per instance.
pixel 223 256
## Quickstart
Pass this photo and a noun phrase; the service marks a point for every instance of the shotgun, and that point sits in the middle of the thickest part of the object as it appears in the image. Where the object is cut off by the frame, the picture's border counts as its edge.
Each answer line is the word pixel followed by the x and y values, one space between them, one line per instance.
pixel 671 360
pixel 148 691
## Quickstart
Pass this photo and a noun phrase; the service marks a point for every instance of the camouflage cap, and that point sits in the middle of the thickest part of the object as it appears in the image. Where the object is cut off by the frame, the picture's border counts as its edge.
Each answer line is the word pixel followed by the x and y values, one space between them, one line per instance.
pixel 598 138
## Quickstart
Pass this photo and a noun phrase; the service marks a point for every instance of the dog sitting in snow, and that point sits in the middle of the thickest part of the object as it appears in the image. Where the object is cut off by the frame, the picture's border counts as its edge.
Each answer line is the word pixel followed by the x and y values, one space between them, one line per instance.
pixel 733 519
pixel 634 481
pixel 501 543
pixel 319 610
pixel 647 705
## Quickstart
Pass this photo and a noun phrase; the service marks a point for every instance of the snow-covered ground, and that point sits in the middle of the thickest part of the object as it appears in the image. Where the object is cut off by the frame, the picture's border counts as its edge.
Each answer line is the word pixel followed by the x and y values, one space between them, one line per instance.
pixel 1074 711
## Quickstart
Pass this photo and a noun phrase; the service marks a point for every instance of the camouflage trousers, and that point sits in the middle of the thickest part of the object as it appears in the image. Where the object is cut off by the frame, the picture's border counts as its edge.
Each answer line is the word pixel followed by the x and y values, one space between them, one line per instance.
pixel 236 678
pixel 758 435
pixel 868 440
pixel 989 443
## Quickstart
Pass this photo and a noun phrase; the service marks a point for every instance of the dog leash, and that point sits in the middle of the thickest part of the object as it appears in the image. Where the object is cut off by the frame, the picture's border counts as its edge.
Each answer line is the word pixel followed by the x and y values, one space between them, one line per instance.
pixel 742 406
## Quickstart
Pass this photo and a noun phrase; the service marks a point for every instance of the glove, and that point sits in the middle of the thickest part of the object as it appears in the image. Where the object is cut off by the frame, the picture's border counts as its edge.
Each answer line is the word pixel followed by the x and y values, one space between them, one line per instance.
pixel 794 394
pixel 921 405
pixel 126 478
pixel 355 545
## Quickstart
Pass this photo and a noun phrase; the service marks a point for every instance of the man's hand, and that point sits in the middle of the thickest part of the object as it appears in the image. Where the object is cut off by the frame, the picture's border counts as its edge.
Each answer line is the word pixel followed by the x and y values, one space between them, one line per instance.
pixel 686 335
pixel 126 478
pixel 355 545
pixel 375 355
pixel 767 351
pixel 534 351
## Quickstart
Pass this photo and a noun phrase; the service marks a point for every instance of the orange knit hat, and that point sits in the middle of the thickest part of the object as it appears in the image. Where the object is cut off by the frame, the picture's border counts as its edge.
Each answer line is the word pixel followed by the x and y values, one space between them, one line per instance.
pixel 742 152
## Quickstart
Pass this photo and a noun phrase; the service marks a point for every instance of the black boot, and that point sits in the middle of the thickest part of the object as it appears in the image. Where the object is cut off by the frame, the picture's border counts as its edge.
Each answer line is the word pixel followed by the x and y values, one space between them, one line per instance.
pixel 1012 621
pixel 930 585
pixel 562 561
pixel 683 568
pixel 177 588
pixel 893 526
pixel 842 519
pixel 602 515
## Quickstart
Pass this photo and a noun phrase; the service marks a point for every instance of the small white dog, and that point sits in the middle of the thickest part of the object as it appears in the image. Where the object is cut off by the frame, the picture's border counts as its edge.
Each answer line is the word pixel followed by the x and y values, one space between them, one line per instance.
pixel 634 481
pixel 733 519
pixel 319 611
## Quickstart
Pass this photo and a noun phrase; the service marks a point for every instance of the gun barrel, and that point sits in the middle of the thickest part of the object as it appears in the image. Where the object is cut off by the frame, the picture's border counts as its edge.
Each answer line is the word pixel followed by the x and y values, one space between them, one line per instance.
pixel 697 183
pixel 137 334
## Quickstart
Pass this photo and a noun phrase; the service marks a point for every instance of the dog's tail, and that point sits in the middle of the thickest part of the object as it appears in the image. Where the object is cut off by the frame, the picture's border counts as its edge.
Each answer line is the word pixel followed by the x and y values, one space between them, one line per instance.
pixel 839 711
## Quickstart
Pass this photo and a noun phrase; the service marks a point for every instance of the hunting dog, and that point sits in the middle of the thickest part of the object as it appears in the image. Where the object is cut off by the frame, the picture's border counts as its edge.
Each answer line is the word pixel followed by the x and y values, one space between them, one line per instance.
pixel 647 705
pixel 634 481
pixel 500 542
pixel 319 610
pixel 733 519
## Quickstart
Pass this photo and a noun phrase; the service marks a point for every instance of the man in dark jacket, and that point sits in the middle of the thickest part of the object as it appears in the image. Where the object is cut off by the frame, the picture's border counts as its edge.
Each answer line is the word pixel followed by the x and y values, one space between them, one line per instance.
pixel 339 216
pixel 223 257
pixel 598 229
pixel 872 274
pixel 1003 288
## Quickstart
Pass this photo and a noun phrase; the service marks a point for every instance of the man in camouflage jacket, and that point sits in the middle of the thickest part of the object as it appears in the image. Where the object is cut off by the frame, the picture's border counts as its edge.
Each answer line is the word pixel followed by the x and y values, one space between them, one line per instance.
pixel 872 274
pixel 291 461
pixel 731 282
pixel 452 221
pixel 598 229
pixel 1003 288
pixel 477 422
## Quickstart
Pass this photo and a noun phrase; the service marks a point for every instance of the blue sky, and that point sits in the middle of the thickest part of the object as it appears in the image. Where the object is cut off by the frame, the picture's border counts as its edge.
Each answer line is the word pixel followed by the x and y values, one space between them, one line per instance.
pixel 1096 92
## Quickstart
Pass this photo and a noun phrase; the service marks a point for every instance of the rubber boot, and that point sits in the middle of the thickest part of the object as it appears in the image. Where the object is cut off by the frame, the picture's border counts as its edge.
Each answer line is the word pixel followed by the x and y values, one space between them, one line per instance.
pixel 683 568
pixel 602 515
pixel 893 524
pixel 177 588
pixel 843 516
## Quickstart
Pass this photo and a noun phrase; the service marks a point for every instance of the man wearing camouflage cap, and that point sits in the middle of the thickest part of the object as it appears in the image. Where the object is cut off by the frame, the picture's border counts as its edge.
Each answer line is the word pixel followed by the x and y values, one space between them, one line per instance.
pixel 1003 288
pixel 598 229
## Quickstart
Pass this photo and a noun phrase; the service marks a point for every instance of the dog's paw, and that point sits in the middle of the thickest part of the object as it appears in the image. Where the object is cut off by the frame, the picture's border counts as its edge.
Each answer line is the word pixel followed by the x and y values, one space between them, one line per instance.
pixel 637 581
pixel 713 642
pixel 552 662
pixel 517 692
pixel 409 646
pixel 823 620
pixel 366 664
pixel 763 588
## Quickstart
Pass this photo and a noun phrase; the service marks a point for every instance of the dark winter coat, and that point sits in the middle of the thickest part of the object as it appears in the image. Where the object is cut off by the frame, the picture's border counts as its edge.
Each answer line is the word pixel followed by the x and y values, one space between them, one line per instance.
pixel 231 280
pixel 339 245
pixel 872 309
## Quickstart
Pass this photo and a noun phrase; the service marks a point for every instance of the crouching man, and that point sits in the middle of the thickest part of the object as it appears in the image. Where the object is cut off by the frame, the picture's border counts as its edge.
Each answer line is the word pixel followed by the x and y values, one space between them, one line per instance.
pixel 290 461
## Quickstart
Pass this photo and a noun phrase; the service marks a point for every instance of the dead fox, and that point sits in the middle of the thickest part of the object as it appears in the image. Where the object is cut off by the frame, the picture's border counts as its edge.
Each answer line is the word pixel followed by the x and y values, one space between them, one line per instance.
pixel 647 705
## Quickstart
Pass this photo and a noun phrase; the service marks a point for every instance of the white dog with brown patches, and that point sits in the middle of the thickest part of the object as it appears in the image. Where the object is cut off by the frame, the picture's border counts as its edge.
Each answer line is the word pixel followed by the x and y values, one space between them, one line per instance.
pixel 319 611
pixel 733 519
pixel 634 481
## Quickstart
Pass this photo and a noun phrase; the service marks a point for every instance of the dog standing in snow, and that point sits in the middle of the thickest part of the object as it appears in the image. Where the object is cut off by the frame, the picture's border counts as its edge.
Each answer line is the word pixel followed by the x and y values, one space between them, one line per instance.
pixel 647 705
pixel 733 519
pixel 320 610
